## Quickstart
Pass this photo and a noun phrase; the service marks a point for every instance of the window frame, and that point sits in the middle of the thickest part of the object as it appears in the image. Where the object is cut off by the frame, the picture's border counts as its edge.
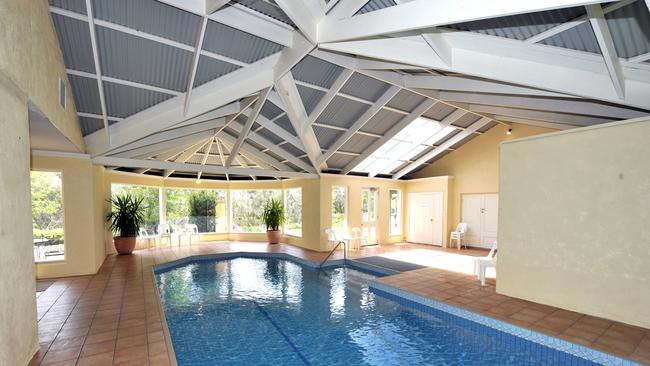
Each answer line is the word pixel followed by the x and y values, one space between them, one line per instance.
pixel 63 224
pixel 345 206
pixel 399 213
pixel 284 193
pixel 228 217
pixel 231 206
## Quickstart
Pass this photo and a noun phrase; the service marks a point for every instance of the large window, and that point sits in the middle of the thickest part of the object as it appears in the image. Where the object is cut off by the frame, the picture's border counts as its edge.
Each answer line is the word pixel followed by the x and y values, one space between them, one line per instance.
pixel 47 216
pixel 247 208
pixel 150 202
pixel 339 205
pixel 293 208
pixel 395 214
pixel 201 207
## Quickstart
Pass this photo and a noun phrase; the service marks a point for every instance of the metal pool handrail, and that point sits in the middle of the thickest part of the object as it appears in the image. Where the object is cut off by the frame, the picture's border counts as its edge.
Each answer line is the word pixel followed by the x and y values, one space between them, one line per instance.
pixel 332 252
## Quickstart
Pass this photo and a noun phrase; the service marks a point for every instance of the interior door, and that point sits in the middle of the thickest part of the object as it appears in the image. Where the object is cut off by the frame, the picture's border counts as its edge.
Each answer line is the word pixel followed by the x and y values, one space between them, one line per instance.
pixel 472 205
pixel 490 219
pixel 425 218
pixel 369 198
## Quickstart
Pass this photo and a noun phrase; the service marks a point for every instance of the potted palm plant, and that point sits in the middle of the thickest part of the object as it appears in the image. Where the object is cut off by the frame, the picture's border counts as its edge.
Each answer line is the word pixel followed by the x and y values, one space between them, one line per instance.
pixel 125 218
pixel 273 217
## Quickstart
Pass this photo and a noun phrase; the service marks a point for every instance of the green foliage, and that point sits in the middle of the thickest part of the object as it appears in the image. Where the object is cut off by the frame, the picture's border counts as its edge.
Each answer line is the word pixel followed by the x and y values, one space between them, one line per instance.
pixel 150 202
pixel 127 215
pixel 55 235
pixel 273 214
pixel 246 209
pixel 202 205
pixel 47 200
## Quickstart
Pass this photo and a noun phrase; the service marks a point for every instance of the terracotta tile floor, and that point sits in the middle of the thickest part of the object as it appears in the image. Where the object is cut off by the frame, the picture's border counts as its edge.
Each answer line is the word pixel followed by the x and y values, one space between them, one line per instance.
pixel 114 317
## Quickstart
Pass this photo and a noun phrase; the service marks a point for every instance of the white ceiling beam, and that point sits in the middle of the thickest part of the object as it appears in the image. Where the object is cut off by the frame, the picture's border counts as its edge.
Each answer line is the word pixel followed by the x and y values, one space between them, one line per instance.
pixel 399 126
pixel 571 119
pixel 162 146
pixel 171 152
pixel 195 60
pixel 439 45
pixel 462 84
pixel 274 148
pixel 213 5
pixel 187 154
pixel 98 72
pixel 255 24
pixel 205 157
pixel 277 130
pixel 505 60
pixel 640 58
pixel 532 122
pixel 221 157
pixel 582 107
pixel 326 99
pixel 606 44
pixel 259 157
pixel 360 122
pixel 98 116
pixel 346 9
pixel 305 14
pixel 227 110
pixel 123 82
pixel 442 147
pixel 247 126
pixel 288 92
pixel 195 168
pixel 418 14
pixel 574 22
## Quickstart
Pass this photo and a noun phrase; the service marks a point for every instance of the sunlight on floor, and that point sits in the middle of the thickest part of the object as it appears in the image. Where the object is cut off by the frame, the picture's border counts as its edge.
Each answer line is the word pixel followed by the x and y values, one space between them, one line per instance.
pixel 436 259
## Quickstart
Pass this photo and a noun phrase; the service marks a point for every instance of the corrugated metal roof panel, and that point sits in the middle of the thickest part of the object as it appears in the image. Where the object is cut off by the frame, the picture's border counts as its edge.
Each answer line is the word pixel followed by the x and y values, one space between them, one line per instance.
pixel 464 141
pixel 316 71
pixel 78 6
pixel 293 150
pixel 488 126
pixel 405 100
pixel 365 87
pixel 74 41
pixel 466 120
pixel 270 136
pixel 358 143
pixel 309 97
pixel 86 94
pixel 581 38
pixel 210 69
pixel 270 110
pixel 452 134
pixel 90 125
pixel 373 5
pixel 137 59
pixel 195 159
pixel 285 123
pixel 630 29
pixel 267 9
pixel 521 26
pixel 381 122
pixel 233 43
pixel 150 16
pixel 123 101
pixel 326 136
pixel 342 112
pixel 339 161
pixel 439 111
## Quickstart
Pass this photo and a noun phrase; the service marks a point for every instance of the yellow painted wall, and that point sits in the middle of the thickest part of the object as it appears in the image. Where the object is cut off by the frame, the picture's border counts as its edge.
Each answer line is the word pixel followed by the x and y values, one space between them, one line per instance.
pixel 30 68
pixel 475 166
pixel 573 223
pixel 83 208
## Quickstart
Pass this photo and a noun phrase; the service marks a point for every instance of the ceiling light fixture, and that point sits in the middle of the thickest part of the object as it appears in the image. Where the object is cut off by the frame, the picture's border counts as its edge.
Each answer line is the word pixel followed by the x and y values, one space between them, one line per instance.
pixel 509 132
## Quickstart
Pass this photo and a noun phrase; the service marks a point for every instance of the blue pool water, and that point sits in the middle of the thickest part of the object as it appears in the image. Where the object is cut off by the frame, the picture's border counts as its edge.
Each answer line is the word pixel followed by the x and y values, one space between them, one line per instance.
pixel 247 311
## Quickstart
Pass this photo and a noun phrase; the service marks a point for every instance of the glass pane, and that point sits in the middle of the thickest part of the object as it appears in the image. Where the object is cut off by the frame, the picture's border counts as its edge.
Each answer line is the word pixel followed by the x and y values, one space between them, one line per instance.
pixel 395 213
pixel 338 208
pixel 365 198
pixel 247 209
pixel 47 216
pixel 293 207
pixel 205 208
pixel 150 201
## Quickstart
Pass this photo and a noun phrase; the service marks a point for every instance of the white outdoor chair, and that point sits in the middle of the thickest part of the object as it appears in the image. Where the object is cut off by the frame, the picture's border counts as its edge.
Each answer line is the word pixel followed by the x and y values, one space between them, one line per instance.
pixel 144 235
pixel 164 232
pixel 459 235
pixel 482 264
pixel 192 230
pixel 357 237
pixel 332 236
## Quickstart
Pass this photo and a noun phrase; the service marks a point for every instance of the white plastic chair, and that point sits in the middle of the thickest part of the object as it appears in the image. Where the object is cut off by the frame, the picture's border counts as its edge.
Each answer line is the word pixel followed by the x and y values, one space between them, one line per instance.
pixel 192 230
pixel 144 235
pixel 482 264
pixel 357 237
pixel 459 235
pixel 164 232
pixel 332 236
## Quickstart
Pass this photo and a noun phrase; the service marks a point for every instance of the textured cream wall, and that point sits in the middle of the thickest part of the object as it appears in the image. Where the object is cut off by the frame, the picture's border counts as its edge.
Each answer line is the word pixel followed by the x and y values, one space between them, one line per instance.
pixel 573 223
pixel 475 166
pixel 18 336
pixel 83 209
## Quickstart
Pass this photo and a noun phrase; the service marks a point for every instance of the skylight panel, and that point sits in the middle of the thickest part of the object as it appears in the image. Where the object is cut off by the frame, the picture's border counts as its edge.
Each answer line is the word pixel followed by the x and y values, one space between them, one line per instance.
pixel 418 136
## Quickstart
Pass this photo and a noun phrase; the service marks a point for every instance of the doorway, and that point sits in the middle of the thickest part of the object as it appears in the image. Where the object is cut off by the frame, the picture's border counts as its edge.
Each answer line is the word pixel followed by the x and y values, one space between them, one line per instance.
pixel 369 203
pixel 481 213
pixel 425 218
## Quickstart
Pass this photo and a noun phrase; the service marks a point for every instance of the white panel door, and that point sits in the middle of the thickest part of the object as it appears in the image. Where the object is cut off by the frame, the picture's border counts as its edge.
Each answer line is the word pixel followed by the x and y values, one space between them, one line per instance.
pixel 369 198
pixel 425 218
pixel 481 213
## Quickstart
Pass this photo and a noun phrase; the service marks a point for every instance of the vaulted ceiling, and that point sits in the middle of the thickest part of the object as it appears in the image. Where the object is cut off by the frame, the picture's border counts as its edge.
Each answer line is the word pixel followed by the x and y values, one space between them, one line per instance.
pixel 259 89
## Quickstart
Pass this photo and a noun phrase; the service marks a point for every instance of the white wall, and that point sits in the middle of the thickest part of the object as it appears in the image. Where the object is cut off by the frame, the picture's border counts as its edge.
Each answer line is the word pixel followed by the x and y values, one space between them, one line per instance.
pixel 574 223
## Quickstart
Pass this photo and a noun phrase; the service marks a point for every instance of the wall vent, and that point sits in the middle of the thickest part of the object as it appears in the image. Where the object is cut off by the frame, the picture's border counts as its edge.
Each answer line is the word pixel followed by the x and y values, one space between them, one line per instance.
pixel 62 94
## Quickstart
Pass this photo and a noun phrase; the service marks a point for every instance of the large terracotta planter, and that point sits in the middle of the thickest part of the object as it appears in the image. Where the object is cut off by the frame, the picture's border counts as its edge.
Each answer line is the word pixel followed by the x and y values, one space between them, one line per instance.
pixel 124 244
pixel 273 236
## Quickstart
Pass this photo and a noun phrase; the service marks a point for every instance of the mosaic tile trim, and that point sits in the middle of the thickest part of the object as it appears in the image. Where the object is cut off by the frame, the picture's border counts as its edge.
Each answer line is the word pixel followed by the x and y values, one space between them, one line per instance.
pixel 517 335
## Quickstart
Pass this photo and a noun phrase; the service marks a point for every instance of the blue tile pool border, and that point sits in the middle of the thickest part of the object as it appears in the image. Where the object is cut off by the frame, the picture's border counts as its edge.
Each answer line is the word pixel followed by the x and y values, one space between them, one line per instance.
pixel 554 347
pixel 515 334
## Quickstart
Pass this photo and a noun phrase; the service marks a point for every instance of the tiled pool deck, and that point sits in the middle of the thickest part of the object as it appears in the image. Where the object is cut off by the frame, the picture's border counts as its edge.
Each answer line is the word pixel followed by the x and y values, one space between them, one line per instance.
pixel 114 317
